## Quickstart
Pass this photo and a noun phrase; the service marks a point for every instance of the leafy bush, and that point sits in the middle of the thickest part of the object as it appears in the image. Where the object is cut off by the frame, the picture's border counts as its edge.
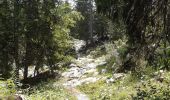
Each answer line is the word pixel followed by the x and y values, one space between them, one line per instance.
pixel 49 91
pixel 98 51
pixel 152 91
pixel 110 64
pixel 7 88
pixel 159 59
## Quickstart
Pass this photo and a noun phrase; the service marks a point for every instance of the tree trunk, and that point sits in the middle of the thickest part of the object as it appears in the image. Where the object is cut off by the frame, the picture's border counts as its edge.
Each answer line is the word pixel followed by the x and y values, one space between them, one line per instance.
pixel 25 72
pixel 16 43
pixel 91 21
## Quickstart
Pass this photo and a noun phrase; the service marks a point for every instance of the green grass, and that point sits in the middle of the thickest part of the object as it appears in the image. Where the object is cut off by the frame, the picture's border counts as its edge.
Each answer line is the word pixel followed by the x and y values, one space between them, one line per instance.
pixel 7 88
pixel 98 52
pixel 49 91
pixel 42 91
pixel 121 90
pixel 127 87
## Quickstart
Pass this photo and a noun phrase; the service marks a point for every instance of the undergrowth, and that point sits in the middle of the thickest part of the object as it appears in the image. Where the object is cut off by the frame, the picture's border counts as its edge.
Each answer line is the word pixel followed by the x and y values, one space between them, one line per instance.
pixel 43 91
pixel 7 88
pixel 152 85
pixel 121 90
pixel 50 91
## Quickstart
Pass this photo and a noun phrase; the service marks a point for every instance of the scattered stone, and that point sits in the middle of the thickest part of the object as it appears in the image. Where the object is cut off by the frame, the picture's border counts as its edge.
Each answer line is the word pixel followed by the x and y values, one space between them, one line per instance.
pixel 160 79
pixel 89 80
pixel 2 85
pixel 118 75
pixel 110 80
pixel 91 65
pixel 96 73
pixel 19 92
pixel 91 71
pixel 76 74
pixel 158 73
pixel 102 63
pixel 155 73
pixel 73 65
pixel 161 71
pixel 82 97
pixel 103 71
pixel 159 76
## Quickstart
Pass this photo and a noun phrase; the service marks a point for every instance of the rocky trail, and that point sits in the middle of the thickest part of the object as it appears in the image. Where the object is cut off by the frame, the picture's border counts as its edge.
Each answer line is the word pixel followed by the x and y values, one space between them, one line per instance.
pixel 82 71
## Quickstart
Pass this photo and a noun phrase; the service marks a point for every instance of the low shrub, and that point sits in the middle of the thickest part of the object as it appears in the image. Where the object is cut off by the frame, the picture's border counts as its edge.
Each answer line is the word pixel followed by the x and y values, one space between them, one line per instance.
pixel 151 90
pixel 49 91
pixel 7 88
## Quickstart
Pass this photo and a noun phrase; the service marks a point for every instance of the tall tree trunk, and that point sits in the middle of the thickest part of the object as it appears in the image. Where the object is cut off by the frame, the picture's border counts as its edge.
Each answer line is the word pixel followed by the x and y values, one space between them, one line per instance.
pixel 91 21
pixel 27 58
pixel 28 35
pixel 16 43
pixel 25 72
pixel 165 15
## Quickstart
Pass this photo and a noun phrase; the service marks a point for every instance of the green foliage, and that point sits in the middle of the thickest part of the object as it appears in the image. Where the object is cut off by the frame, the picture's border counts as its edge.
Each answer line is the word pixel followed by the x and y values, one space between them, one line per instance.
pixel 131 87
pixel 68 19
pixel 6 36
pixel 153 86
pixel 161 58
pixel 152 91
pixel 102 27
pixel 62 38
pixel 118 52
pixel 111 64
pixel 34 32
pixel 50 91
pixel 121 47
pixel 81 30
pixel 98 51
pixel 120 90
pixel 145 27
pixel 7 88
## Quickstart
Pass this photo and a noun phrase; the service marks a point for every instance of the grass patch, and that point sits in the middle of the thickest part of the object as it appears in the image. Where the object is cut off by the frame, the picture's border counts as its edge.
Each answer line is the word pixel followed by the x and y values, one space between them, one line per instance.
pixel 7 88
pixel 49 91
pixel 42 91
pixel 103 67
pixel 152 85
pixel 121 90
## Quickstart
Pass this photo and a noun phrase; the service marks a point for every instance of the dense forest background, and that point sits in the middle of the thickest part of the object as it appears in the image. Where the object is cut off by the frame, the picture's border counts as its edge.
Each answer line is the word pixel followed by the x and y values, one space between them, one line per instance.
pixel 40 35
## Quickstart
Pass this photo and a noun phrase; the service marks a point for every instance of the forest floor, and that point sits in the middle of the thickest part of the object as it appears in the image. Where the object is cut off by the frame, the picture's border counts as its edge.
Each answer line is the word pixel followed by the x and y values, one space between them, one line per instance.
pixel 88 78
pixel 86 70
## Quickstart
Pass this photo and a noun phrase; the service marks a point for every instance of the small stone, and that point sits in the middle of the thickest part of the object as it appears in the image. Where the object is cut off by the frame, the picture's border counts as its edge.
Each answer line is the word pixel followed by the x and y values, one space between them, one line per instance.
pixel 2 84
pixel 73 65
pixel 103 71
pixel 95 73
pixel 156 73
pixel 161 71
pixel 19 92
pixel 118 75
pixel 111 80
pixel 160 79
